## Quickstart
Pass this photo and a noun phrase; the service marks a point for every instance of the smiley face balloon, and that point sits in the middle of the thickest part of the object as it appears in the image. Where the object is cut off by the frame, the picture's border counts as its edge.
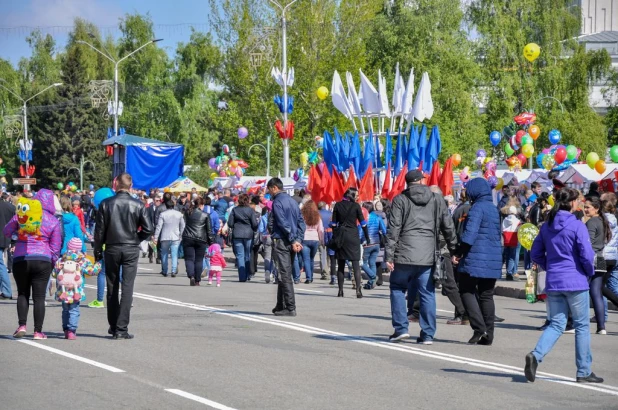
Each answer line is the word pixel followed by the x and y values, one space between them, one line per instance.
pixel 532 51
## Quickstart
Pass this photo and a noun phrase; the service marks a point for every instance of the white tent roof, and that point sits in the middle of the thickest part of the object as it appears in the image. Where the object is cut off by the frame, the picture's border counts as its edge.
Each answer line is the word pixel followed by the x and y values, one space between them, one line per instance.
pixel 508 176
pixel 582 173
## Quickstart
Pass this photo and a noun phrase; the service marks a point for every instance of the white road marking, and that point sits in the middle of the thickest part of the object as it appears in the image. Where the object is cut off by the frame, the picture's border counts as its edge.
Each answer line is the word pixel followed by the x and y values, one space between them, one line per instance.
pixel 72 356
pixel 405 348
pixel 199 399
pixel 307 290
pixel 140 268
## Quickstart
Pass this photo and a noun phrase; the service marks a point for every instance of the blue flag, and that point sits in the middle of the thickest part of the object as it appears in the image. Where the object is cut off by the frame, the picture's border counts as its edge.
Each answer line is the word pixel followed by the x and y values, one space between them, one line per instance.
pixel 368 155
pixel 355 152
pixel 330 155
pixel 343 149
pixel 422 146
pixel 388 150
pixel 413 155
pixel 377 163
pixel 433 148
pixel 398 155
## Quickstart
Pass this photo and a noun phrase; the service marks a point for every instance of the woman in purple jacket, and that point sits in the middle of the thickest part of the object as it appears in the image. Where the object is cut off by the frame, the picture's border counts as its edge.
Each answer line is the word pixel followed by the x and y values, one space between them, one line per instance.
pixel 564 251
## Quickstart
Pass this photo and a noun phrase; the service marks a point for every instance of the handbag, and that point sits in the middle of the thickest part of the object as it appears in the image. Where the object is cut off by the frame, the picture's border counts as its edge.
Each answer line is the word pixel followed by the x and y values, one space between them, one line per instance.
pixel 439 268
pixel 336 241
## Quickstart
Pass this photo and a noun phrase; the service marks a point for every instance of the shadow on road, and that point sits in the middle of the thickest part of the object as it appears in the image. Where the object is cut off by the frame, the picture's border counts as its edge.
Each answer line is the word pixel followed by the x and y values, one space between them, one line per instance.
pixel 514 378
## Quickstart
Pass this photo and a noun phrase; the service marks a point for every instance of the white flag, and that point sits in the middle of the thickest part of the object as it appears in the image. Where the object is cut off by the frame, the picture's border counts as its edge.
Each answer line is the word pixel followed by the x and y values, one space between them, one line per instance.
pixel 384 108
pixel 354 101
pixel 340 100
pixel 423 104
pixel 371 99
pixel 276 74
pixel 291 77
pixel 406 102
pixel 398 91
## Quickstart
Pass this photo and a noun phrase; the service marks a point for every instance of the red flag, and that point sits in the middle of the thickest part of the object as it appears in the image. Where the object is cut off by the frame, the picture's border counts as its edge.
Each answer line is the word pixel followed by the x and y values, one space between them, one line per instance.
pixel 325 186
pixel 400 183
pixel 446 181
pixel 420 165
pixel 315 184
pixel 351 182
pixel 607 185
pixel 386 188
pixel 367 189
pixel 434 177
pixel 336 186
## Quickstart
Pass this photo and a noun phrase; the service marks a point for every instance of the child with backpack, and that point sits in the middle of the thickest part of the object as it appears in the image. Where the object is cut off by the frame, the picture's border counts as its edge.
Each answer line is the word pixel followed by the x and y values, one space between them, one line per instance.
pixel 510 226
pixel 217 263
pixel 69 273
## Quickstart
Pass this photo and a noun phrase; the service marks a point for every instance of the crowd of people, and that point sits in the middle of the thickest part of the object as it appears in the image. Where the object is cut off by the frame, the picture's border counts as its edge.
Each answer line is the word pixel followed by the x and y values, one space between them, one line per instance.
pixel 425 240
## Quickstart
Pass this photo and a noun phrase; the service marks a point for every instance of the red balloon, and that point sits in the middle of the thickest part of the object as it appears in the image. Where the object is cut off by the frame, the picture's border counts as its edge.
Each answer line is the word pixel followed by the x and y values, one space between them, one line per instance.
pixel 519 135
pixel 560 155
pixel 522 158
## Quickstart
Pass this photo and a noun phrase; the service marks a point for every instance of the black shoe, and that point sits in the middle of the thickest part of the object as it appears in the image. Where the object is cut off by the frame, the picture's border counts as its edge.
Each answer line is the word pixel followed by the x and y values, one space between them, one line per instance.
pixel 277 309
pixel 592 378
pixel 324 277
pixel 498 319
pixel 143 254
pixel 174 274
pixel 485 342
pixel 158 261
pixel 150 260
pixel 397 337
pixel 285 312
pixel 121 336
pixel 380 280
pixel 163 274
pixel 110 331
pixel 477 338
pixel 296 282
pixel 191 281
pixel 309 281
pixel 340 294
pixel 531 365
pixel 3 297
pixel 545 325
pixel 359 293
pixel 333 281
pixel 509 278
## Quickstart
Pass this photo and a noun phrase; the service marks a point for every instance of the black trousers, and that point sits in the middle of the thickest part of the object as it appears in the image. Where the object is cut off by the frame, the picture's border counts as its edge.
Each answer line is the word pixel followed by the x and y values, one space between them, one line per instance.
pixel 31 278
pixel 194 257
pixel 450 288
pixel 119 309
pixel 283 256
pixel 254 259
pixel 477 295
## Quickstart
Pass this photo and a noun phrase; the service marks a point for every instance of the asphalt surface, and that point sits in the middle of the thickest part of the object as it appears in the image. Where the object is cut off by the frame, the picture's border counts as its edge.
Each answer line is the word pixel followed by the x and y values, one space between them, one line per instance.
pixel 208 347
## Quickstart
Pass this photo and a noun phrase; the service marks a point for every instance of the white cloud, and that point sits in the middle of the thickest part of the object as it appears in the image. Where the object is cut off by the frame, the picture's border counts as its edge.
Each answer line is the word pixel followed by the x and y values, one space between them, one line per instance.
pixel 48 13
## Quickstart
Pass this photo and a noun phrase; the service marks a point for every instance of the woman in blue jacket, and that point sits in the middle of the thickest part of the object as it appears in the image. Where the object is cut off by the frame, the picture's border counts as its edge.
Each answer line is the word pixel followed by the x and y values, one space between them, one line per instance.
pixel 480 261
pixel 71 226
pixel 563 249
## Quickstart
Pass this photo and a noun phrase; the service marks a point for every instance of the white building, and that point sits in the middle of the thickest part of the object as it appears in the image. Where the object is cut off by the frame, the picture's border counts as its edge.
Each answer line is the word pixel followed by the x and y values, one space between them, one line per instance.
pixel 598 15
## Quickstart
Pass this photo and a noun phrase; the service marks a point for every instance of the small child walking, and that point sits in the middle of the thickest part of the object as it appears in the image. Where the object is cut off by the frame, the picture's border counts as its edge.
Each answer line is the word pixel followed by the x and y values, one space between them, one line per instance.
pixel 217 263
pixel 69 273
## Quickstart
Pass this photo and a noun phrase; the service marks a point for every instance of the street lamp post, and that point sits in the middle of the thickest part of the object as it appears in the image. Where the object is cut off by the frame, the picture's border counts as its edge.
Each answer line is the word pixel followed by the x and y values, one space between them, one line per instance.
pixel 116 63
pixel 284 71
pixel 82 164
pixel 267 149
pixel 25 111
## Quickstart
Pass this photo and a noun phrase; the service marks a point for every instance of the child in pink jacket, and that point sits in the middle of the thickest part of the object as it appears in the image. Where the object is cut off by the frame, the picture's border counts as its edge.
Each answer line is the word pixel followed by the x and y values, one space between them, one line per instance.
pixel 217 263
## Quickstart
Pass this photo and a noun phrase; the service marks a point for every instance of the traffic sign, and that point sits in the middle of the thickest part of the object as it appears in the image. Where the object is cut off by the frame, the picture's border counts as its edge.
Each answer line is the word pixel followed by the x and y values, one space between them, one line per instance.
pixel 24 181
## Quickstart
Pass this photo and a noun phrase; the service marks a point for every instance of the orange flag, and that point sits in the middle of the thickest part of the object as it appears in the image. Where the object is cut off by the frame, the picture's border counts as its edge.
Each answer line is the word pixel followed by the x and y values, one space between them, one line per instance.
pixel 447 181
pixel 367 189
pixel 386 188
pixel 315 184
pixel 400 183
pixel 351 182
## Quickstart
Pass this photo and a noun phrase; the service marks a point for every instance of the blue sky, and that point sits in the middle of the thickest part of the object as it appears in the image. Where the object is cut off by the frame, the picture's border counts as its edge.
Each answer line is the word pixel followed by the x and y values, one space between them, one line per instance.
pixel 53 16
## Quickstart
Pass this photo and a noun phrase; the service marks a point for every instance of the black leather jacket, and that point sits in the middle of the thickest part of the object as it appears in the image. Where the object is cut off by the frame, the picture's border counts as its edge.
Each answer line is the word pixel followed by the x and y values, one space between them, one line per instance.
pixel 198 227
pixel 118 221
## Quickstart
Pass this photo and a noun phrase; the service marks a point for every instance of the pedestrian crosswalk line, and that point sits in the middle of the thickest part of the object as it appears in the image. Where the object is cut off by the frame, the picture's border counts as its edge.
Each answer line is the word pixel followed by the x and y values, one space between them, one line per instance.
pixel 199 399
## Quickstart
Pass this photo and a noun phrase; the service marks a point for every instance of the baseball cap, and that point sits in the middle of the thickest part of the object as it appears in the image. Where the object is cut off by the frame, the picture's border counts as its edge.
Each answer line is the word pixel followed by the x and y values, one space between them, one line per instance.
pixel 414 176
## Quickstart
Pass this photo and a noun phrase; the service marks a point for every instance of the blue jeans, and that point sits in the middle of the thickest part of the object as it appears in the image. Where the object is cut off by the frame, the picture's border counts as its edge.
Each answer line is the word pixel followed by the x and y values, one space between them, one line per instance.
pixel 612 281
pixel 101 282
pixel 418 279
pixel 370 254
pixel 310 248
pixel 508 256
pixel 527 260
pixel 5 281
pixel 559 305
pixel 296 268
pixel 165 250
pixel 242 249
pixel 70 316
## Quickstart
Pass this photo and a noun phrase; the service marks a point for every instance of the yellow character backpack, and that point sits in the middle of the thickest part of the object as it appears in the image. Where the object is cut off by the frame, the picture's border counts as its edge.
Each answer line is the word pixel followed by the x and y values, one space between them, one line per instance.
pixel 29 216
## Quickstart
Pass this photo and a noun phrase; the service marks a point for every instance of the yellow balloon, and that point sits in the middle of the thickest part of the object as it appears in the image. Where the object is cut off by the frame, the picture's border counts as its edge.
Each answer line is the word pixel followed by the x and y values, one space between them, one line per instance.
pixel 532 51
pixel 550 200
pixel 322 93
pixel 213 175
pixel 304 158
pixel 527 150
pixel 500 184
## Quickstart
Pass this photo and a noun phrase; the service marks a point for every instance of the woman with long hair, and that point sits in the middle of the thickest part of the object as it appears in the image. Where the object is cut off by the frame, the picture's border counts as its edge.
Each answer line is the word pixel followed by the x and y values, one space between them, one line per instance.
pixel 346 215
pixel 196 238
pixel 563 249
pixel 244 224
pixel 314 237
pixel 600 234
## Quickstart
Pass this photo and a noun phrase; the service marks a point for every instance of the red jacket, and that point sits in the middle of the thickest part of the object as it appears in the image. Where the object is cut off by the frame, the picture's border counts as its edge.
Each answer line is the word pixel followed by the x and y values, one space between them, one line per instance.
pixel 217 262
pixel 80 215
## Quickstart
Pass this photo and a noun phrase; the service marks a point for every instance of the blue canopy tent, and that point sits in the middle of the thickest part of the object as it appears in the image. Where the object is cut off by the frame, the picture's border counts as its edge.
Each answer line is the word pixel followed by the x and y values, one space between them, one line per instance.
pixel 151 163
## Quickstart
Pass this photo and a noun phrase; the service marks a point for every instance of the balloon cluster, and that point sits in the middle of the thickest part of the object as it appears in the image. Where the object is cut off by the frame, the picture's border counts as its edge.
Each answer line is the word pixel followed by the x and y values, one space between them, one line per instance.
pixel 594 162
pixel 227 164
pixel 70 187
pixel 558 157
pixel 306 159
pixel 488 166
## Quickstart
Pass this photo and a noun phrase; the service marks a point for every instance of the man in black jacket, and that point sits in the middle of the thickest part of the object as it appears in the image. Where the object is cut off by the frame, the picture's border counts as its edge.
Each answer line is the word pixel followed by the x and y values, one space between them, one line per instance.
pixel 7 210
pixel 122 223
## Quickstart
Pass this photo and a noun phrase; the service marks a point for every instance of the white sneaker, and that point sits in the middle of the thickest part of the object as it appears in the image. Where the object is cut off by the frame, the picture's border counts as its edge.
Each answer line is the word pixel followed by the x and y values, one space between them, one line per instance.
pixel 209 282
pixel 218 285
pixel 601 332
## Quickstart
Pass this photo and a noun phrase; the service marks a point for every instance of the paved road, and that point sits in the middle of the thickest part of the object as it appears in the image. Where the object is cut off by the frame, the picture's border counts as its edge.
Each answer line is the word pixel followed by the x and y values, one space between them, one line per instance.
pixel 221 348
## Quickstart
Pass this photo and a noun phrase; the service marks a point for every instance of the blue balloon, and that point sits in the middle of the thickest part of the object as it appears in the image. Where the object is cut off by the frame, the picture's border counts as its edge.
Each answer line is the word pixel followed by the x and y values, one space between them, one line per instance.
pixel 91 187
pixel 539 159
pixel 494 138
pixel 102 194
pixel 554 136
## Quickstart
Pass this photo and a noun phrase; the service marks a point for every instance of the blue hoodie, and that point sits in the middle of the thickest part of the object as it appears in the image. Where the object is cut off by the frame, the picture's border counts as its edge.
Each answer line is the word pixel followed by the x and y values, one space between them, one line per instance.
pixel 72 229
pixel 482 234
pixel 564 250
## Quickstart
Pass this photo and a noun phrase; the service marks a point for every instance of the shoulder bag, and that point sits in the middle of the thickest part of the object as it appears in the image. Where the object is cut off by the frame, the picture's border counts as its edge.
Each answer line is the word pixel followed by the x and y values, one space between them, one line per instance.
pixel 439 268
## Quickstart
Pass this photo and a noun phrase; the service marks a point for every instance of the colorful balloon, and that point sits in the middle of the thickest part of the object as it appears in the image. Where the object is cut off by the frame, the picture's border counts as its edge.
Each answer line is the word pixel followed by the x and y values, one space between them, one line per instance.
pixel 526 235
pixel 518 137
pixel 500 184
pixel 509 150
pixel 304 159
pixel 242 133
pixel 554 136
pixel 534 131
pixel 571 151
pixel 494 138
pixel 456 159
pixel 493 181
pixel 591 159
pixel 600 166
pixel 550 200
pixel 464 177
pixel 527 150
pixel 513 143
pixel 60 185
pixel 613 153
pixel 100 195
pixel 481 153
pixel 212 163
pixel 322 93
pixel 539 159
pixel 548 162
pixel 225 148
pixel 532 51
pixel 233 163
pixel 560 155
pixel 522 159
pixel 526 140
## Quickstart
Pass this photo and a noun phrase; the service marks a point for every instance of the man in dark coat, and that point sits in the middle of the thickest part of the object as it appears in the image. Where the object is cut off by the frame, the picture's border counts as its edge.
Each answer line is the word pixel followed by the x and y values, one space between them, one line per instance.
pixel 7 210
pixel 410 254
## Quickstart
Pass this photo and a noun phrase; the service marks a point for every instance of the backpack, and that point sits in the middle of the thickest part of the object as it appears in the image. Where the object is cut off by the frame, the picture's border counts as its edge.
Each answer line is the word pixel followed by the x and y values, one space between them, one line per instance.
pixel 69 280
